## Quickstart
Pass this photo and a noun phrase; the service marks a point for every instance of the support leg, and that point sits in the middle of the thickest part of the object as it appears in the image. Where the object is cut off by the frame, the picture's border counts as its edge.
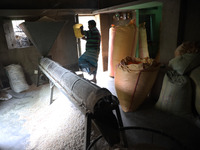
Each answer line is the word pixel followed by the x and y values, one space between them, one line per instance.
pixel 51 92
pixel 87 130
pixel 38 76
pixel 125 143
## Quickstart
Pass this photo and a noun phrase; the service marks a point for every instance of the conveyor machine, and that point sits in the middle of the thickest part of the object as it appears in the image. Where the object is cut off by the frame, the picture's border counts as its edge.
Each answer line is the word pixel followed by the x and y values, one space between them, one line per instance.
pixel 96 103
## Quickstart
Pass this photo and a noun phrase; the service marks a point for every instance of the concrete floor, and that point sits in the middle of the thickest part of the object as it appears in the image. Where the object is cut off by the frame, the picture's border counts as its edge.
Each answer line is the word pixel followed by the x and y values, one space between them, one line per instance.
pixel 14 114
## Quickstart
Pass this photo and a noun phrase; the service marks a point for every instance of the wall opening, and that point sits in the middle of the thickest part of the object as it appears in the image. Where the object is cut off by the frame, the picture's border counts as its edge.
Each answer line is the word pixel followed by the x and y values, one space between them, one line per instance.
pixel 15 37
pixel 20 37
pixel 83 19
pixel 22 40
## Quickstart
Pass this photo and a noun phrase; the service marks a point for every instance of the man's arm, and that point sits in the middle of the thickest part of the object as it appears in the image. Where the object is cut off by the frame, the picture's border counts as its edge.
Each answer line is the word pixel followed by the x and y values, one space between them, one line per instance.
pixel 82 32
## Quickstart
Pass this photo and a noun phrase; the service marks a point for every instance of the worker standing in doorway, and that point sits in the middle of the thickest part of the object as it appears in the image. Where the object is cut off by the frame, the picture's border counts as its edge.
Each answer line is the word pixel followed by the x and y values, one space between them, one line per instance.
pixel 88 62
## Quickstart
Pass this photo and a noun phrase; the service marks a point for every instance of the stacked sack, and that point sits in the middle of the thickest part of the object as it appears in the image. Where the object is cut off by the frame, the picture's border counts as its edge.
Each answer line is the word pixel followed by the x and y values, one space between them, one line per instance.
pixel 134 79
pixel 122 43
pixel 177 90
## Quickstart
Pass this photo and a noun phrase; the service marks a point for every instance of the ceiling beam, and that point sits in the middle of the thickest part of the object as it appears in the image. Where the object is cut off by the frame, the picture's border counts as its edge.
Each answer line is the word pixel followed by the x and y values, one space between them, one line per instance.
pixel 16 13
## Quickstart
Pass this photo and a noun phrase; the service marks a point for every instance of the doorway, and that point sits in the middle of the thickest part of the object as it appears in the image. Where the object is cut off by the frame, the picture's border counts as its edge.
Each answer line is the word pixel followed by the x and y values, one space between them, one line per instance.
pixel 83 19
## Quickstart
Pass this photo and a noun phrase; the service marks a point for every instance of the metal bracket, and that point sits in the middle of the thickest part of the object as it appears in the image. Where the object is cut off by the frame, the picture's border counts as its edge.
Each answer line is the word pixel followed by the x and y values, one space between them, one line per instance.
pixel 38 76
pixel 88 145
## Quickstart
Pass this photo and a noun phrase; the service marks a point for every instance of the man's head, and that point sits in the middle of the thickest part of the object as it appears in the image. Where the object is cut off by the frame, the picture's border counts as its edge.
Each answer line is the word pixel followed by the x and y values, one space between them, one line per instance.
pixel 91 24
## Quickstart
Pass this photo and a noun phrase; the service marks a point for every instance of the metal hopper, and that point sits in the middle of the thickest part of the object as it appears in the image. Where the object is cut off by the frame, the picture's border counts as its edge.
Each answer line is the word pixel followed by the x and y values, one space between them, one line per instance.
pixel 42 34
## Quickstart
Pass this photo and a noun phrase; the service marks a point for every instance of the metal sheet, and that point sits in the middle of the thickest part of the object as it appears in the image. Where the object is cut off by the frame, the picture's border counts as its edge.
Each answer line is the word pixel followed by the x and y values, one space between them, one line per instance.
pixel 42 34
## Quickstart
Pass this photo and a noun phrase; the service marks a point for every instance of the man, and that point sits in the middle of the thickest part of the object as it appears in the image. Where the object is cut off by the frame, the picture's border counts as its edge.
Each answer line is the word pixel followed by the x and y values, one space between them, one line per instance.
pixel 88 61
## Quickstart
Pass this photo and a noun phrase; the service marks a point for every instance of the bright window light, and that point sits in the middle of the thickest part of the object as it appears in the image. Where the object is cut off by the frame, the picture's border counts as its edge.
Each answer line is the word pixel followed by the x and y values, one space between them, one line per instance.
pixel 21 38
pixel 18 31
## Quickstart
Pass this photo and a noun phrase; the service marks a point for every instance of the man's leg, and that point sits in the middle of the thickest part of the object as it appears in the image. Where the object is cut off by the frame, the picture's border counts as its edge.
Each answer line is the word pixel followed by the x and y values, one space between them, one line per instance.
pixel 94 78
pixel 93 71
pixel 85 66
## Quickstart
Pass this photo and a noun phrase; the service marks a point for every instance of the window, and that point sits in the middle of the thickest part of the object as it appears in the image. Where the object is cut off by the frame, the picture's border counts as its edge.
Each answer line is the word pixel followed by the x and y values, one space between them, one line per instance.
pixel 20 37
pixel 15 37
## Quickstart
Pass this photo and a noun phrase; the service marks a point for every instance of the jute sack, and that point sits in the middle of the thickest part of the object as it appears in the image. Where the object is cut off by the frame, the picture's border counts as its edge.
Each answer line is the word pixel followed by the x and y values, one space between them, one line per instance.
pixel 122 43
pixel 134 79
pixel 143 46
pixel 176 94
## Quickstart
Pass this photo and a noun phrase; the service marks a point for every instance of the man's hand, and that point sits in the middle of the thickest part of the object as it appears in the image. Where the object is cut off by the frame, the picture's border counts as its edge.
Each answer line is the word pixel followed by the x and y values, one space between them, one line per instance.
pixel 82 30
pixel 83 38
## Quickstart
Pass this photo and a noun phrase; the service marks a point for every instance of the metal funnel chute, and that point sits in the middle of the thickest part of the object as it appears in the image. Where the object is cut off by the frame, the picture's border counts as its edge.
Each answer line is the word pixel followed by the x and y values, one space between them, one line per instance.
pixel 42 34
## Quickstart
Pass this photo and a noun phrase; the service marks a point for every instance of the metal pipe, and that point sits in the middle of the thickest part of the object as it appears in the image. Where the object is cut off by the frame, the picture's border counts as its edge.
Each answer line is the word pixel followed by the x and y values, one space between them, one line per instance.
pixel 95 102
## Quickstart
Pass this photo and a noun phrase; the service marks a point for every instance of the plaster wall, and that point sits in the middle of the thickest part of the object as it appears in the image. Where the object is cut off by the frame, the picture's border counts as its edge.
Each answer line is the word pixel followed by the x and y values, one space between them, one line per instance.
pixel 169 29
pixel 191 21
pixel 105 21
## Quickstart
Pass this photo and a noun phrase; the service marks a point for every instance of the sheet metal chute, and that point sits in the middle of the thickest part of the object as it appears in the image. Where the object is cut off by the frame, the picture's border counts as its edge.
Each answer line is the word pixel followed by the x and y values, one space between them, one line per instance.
pixel 42 33
pixel 96 103
pixel 82 92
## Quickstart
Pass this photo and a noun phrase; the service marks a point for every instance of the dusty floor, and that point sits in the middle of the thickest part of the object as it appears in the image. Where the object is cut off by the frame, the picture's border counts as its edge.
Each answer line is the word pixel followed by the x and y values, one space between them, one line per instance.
pixel 27 121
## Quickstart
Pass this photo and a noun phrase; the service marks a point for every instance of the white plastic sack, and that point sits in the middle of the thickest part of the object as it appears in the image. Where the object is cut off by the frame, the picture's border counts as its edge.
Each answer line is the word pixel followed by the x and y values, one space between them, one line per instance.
pixel 176 94
pixel 16 78
pixel 185 63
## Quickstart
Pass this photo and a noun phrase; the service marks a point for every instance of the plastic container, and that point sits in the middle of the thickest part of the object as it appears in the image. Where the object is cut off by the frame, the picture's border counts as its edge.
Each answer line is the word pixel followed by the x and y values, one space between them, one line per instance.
pixel 77 30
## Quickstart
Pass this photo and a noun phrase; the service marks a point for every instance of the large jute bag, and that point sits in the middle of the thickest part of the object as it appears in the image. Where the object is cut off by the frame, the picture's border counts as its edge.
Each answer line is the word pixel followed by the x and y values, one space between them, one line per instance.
pixel 143 45
pixel 122 43
pixel 134 79
pixel 176 94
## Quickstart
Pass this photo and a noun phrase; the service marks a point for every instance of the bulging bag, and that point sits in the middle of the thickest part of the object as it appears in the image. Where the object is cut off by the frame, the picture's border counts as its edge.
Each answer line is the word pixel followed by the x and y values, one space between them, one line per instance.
pixel 16 78
pixel 143 45
pixel 176 94
pixel 134 80
pixel 122 43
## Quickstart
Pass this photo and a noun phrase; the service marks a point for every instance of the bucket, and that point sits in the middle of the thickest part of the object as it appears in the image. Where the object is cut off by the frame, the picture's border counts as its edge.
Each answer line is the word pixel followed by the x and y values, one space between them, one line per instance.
pixel 77 30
